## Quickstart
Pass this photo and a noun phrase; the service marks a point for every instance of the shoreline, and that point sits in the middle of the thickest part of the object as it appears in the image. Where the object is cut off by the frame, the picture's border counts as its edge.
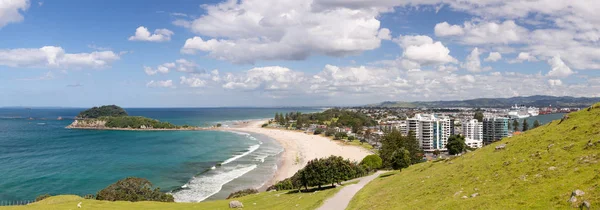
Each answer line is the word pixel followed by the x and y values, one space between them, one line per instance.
pixel 298 148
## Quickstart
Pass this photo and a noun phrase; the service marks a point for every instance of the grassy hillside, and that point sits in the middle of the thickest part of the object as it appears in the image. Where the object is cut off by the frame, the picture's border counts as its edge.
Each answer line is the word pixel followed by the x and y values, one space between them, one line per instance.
pixel 539 169
pixel 263 200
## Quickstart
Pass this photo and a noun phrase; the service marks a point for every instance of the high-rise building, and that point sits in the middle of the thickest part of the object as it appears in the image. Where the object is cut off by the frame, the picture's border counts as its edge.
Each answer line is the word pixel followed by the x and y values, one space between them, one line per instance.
pixel 473 133
pixel 431 131
pixel 494 129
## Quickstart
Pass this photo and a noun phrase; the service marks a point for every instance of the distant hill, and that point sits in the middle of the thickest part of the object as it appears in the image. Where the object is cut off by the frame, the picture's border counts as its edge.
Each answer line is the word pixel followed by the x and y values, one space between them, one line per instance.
pixel 103 111
pixel 538 169
pixel 536 101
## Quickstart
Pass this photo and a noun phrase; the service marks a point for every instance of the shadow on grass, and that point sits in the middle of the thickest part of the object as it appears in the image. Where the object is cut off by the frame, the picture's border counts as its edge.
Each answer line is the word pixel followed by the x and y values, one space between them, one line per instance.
pixel 310 190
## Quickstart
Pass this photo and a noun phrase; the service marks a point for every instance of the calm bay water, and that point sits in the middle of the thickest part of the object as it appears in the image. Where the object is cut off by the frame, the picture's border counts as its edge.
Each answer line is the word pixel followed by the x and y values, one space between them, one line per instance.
pixel 40 156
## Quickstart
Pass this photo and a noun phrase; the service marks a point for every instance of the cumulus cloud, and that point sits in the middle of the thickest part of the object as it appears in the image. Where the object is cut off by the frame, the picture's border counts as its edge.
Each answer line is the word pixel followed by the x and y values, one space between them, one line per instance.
pixel 252 30
pixel 554 82
pixel 160 35
pixel 445 29
pixel 11 11
pixel 559 68
pixel 493 57
pixel 473 63
pixel 162 84
pixel 422 50
pixel 163 68
pixel 55 57
pixel 180 65
pixel 523 56
pixel 192 81
pixel 269 78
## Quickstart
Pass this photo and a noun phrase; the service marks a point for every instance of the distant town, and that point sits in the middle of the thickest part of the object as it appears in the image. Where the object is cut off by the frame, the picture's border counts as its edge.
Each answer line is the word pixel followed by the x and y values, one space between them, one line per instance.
pixel 430 126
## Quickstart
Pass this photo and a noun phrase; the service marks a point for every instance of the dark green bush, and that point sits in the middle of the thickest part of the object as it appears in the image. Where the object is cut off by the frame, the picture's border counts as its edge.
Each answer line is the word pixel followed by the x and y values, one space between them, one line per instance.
pixel 372 162
pixel 42 197
pixel 265 125
pixel 329 132
pixel 351 138
pixel 318 131
pixel 89 196
pixel 135 122
pixel 242 193
pixel 133 189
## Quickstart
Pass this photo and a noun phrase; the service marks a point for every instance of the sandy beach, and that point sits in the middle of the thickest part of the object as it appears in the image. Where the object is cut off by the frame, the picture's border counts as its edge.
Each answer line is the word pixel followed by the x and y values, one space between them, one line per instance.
pixel 299 148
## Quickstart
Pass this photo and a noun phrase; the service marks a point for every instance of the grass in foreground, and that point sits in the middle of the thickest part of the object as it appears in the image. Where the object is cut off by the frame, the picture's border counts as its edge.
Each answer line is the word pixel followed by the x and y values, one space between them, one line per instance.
pixel 538 170
pixel 263 200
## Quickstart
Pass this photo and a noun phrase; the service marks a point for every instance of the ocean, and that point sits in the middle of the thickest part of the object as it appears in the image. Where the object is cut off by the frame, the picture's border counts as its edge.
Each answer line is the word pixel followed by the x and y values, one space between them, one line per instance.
pixel 39 156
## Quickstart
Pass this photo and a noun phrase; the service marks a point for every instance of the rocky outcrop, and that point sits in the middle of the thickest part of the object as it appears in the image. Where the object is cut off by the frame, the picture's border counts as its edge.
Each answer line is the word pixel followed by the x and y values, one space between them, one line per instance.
pixel 88 123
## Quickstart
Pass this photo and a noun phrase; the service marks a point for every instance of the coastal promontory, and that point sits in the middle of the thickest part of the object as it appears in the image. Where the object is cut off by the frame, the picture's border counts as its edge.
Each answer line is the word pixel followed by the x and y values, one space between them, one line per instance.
pixel 112 117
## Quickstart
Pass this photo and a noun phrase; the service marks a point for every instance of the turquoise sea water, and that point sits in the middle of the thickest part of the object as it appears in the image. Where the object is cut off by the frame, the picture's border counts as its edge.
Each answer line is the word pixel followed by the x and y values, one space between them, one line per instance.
pixel 40 156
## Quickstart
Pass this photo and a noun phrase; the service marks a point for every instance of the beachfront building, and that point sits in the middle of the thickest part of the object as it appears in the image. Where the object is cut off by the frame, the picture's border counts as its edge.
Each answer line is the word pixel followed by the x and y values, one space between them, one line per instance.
pixel 399 125
pixel 472 130
pixel 494 129
pixel 431 131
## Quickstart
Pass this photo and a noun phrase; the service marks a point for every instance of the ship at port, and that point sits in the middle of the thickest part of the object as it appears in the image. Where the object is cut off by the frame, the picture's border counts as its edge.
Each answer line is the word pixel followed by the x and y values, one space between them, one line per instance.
pixel 518 112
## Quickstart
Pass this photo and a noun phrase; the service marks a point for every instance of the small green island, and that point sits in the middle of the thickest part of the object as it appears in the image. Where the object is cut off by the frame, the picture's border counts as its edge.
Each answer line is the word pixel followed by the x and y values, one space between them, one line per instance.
pixel 112 117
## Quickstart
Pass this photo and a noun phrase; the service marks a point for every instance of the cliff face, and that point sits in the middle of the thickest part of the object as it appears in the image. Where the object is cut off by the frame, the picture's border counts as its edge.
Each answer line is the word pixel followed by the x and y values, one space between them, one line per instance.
pixel 88 123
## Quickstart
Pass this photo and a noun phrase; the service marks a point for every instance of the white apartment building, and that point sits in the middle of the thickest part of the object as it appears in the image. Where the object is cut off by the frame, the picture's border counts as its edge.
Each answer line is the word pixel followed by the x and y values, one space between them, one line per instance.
pixel 472 130
pixel 431 131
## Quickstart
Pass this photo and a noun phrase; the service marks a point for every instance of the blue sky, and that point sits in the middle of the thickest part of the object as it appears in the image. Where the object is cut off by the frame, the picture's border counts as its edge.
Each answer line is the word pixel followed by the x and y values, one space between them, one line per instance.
pixel 185 53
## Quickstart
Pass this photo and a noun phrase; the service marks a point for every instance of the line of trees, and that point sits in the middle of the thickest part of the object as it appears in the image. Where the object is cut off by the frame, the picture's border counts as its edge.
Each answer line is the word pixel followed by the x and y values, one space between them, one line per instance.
pixel 322 171
pixel 333 117
pixel 136 122
pixel 524 126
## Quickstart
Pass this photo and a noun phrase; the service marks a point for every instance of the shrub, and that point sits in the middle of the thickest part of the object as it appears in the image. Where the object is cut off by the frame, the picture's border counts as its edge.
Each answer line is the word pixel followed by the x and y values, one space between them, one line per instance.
pixel 372 162
pixel 341 135
pixel 329 132
pixel 265 125
pixel 219 125
pixel 133 189
pixel 42 197
pixel 89 196
pixel 319 131
pixel 242 193
pixel 351 138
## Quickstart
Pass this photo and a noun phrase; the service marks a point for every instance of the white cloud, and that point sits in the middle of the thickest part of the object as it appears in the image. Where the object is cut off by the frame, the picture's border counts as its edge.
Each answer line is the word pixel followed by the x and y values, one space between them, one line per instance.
pixel 445 29
pixel 163 84
pixel 163 69
pixel 293 30
pixel 192 81
pixel 493 57
pixel 384 34
pixel 10 11
pixel 554 82
pixel 422 50
pixel 270 78
pixel 55 57
pixel 559 68
pixel 181 65
pixel 473 63
pixel 479 33
pixel 523 56
pixel 160 35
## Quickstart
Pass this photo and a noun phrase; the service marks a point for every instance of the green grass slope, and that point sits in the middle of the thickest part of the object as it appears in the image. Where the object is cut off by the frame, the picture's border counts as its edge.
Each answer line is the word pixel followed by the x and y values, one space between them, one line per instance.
pixel 539 169
pixel 264 200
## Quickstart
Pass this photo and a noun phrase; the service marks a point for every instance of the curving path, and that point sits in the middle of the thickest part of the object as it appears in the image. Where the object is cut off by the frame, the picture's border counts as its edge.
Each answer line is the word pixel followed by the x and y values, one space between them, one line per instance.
pixel 341 199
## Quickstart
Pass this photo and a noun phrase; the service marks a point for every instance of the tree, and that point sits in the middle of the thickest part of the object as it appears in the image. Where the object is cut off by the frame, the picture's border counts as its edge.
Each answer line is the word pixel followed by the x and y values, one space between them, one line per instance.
pixel 436 152
pixel 318 131
pixel 536 124
pixel 525 125
pixel 372 162
pixel 515 124
pixel 393 141
pixel 456 144
pixel 478 116
pixel 133 189
pixel 400 159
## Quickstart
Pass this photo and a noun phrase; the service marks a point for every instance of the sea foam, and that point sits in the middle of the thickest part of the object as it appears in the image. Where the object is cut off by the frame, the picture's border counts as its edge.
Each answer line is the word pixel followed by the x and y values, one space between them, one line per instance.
pixel 202 187
pixel 250 150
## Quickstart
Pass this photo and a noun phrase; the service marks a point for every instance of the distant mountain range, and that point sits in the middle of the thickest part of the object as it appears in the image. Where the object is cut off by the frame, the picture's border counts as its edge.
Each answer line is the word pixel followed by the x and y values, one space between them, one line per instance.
pixel 536 101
